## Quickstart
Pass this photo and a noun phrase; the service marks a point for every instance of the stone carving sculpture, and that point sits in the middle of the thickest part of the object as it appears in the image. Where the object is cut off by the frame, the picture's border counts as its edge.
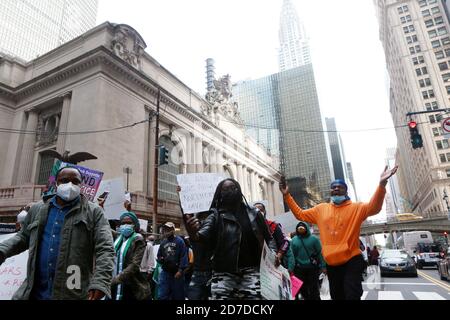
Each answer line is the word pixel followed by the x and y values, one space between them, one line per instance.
pixel 128 45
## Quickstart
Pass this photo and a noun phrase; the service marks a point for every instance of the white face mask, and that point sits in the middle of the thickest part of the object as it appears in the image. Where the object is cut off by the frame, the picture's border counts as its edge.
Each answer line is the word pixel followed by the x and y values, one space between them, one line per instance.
pixel 68 191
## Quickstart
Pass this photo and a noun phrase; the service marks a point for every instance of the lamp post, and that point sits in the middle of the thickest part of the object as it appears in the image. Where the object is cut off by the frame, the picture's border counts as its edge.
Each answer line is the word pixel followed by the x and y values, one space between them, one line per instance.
pixel 127 171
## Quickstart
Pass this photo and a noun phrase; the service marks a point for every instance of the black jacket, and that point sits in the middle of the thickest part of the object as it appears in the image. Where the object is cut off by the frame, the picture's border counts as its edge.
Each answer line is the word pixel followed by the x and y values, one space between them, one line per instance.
pixel 224 233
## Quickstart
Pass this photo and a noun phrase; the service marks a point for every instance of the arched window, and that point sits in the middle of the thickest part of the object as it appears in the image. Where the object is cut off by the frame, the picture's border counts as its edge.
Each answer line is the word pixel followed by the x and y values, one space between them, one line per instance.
pixel 167 176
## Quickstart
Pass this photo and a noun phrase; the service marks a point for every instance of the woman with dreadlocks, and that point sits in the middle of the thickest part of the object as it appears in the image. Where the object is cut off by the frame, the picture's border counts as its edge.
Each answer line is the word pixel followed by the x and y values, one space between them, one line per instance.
pixel 237 233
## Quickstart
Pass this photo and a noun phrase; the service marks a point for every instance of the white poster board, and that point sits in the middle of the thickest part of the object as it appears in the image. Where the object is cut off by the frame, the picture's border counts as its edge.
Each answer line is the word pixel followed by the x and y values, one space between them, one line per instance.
pixel 197 191
pixel 114 202
pixel 143 224
pixel 275 282
pixel 13 272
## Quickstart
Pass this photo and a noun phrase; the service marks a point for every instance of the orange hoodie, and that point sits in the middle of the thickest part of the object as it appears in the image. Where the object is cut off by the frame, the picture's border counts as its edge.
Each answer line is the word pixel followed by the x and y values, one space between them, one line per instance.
pixel 339 225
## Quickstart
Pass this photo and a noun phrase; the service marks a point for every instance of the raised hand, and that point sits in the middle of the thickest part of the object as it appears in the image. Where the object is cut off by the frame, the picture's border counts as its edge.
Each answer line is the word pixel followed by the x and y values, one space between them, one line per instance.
pixel 387 173
pixel 283 186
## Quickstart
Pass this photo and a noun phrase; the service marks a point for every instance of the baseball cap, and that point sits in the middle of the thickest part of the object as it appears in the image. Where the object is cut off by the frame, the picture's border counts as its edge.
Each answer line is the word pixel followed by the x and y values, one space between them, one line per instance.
pixel 169 225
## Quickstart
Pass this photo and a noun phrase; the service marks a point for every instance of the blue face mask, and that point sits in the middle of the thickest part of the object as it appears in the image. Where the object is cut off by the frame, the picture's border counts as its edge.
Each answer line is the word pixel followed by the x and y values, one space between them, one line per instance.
pixel 338 199
pixel 126 230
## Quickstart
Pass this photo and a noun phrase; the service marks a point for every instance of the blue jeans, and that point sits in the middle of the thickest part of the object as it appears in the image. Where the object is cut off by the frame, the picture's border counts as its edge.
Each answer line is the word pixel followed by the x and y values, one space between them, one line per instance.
pixel 200 286
pixel 170 288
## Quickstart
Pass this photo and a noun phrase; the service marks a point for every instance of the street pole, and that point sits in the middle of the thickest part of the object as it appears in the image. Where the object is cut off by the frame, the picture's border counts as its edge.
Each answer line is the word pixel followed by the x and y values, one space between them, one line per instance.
pixel 155 173
pixel 128 171
pixel 446 201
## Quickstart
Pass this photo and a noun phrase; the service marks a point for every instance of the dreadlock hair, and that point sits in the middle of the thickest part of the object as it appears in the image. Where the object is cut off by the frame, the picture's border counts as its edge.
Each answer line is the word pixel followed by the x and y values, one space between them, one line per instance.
pixel 217 199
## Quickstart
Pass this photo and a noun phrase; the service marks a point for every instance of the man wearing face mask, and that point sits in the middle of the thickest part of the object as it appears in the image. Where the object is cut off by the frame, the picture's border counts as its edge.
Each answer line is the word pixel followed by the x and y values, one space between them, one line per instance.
pixel 339 224
pixel 71 254
pixel 237 233
pixel 172 255
pixel 128 282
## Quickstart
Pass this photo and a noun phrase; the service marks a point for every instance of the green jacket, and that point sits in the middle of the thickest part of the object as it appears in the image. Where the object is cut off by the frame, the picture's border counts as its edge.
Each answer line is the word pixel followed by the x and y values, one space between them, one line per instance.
pixel 86 243
pixel 313 247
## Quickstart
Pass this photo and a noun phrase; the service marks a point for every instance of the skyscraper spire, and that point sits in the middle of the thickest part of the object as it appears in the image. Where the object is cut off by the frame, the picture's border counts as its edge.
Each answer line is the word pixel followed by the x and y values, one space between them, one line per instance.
pixel 294 45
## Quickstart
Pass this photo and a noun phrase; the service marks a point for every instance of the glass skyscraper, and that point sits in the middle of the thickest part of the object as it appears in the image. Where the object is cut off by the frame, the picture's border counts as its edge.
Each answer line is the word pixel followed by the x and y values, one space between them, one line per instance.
pixel 288 105
pixel 29 28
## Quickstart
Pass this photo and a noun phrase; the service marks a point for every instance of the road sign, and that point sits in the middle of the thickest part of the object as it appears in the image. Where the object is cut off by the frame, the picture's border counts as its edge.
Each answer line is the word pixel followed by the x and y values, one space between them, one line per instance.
pixel 446 128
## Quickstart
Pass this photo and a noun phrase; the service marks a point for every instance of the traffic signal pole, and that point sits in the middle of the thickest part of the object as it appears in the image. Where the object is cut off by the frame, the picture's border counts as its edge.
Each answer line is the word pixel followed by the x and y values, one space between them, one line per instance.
pixel 155 172
pixel 428 111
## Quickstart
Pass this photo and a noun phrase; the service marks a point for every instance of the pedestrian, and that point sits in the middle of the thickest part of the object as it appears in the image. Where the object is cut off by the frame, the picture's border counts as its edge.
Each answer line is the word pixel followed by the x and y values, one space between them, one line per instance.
pixel 60 232
pixel 148 263
pixel 276 231
pixel 172 255
pixel 237 233
pixel 339 224
pixel 190 268
pixel 309 262
pixel 128 282
pixel 22 215
pixel 200 285
pixel 374 255
pixel 368 255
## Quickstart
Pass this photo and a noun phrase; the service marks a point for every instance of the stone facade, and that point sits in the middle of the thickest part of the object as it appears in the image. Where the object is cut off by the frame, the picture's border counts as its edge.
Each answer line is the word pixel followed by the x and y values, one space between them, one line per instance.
pixel 102 80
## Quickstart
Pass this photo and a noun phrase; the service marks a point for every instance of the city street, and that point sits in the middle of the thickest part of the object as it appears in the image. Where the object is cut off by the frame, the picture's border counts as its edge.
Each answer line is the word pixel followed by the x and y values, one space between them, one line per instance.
pixel 427 286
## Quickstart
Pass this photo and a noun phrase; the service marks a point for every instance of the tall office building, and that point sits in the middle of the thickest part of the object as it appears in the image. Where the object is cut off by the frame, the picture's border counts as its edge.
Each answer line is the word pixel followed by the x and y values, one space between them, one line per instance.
pixel 393 201
pixel 337 150
pixel 287 105
pixel 416 40
pixel 29 28
pixel 294 48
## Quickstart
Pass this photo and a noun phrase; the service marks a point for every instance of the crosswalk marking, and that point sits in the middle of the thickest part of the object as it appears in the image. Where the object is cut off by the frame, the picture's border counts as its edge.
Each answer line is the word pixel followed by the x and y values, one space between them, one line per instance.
pixel 390 295
pixel 428 296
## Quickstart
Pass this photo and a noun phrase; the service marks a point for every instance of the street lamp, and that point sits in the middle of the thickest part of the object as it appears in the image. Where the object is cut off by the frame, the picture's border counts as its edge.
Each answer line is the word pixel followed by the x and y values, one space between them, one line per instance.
pixel 127 171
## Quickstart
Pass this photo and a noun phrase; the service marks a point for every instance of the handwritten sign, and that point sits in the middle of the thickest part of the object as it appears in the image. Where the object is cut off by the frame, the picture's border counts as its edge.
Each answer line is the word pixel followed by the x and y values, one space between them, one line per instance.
pixel 275 282
pixel 113 205
pixel 13 272
pixel 143 224
pixel 197 191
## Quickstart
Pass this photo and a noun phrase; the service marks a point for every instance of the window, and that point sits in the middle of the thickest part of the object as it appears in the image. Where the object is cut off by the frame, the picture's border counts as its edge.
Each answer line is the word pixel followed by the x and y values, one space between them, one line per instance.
pixel 445 40
pixel 434 44
pixel 443 159
pixel 443 66
pixel 411 39
pixel 402 9
pixel 426 13
pixel 448 89
pixel 429 23
pixel 439 54
pixel 418 60
pixel 447 52
pixel 425 82
pixel 432 34
pixel 431 106
pixel 437 131
pixel 422 3
pixel 448 173
pixel 438 20
pixel 428 94
pixel 446 77
pixel 435 10
pixel 405 19
pixel 409 29
pixel 439 146
pixel 442 31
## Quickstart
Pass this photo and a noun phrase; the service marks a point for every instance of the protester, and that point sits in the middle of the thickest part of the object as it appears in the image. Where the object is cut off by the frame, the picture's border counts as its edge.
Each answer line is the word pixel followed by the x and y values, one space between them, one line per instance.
pixel 190 268
pixel 368 255
pixel 148 264
pixel 172 256
pixel 309 262
pixel 374 255
pixel 339 223
pixel 237 233
pixel 61 232
pixel 276 232
pixel 21 216
pixel 128 282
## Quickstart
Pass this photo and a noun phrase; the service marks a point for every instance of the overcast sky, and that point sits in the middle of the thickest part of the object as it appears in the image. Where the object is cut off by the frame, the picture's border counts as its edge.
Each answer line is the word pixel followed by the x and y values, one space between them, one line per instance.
pixel 242 37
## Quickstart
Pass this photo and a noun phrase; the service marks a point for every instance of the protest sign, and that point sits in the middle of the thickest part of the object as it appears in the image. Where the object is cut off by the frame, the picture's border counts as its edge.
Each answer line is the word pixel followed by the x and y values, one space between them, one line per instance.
pixel 144 224
pixel 12 272
pixel 197 191
pixel 296 285
pixel 90 180
pixel 113 205
pixel 275 281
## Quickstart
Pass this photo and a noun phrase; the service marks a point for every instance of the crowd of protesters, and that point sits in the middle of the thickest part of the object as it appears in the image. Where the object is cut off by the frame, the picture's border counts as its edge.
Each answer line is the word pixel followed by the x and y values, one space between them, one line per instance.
pixel 75 254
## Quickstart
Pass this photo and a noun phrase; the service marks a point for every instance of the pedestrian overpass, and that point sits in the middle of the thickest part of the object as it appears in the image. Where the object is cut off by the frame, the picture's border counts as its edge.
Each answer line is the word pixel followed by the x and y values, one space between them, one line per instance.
pixel 434 224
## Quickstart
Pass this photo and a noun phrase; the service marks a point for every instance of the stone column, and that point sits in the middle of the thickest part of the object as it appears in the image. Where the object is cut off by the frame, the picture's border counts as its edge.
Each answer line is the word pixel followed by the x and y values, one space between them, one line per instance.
pixel 190 160
pixel 219 161
pixel 61 144
pixel 27 156
pixel 212 160
pixel 239 174
pixel 253 186
pixel 199 163
pixel 244 181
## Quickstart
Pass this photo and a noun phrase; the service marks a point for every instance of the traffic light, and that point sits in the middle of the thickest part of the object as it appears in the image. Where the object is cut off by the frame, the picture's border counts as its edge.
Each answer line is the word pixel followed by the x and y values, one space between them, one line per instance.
pixel 416 138
pixel 163 156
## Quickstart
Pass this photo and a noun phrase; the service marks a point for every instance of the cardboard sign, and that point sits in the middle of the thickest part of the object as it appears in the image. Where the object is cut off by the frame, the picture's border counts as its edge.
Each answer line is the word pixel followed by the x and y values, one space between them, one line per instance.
pixel 275 281
pixel 12 272
pixel 113 205
pixel 197 191
pixel 144 224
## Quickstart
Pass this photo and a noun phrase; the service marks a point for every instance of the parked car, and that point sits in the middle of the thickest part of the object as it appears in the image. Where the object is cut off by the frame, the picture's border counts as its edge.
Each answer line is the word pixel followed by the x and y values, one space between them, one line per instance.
pixel 443 267
pixel 397 262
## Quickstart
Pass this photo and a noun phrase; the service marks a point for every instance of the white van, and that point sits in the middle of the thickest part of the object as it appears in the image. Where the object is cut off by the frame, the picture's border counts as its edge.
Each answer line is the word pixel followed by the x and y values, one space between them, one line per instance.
pixel 419 244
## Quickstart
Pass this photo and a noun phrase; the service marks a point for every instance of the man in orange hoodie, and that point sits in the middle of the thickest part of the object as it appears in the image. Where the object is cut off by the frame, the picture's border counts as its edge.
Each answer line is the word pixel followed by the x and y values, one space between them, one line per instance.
pixel 339 224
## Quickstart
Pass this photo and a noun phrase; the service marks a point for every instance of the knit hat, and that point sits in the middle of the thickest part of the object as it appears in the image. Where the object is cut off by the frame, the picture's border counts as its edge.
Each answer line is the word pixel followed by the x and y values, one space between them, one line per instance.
pixel 339 182
pixel 133 217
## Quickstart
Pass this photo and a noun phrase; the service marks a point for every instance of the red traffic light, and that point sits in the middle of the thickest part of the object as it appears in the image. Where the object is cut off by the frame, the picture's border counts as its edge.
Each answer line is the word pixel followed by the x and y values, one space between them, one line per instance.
pixel 412 124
